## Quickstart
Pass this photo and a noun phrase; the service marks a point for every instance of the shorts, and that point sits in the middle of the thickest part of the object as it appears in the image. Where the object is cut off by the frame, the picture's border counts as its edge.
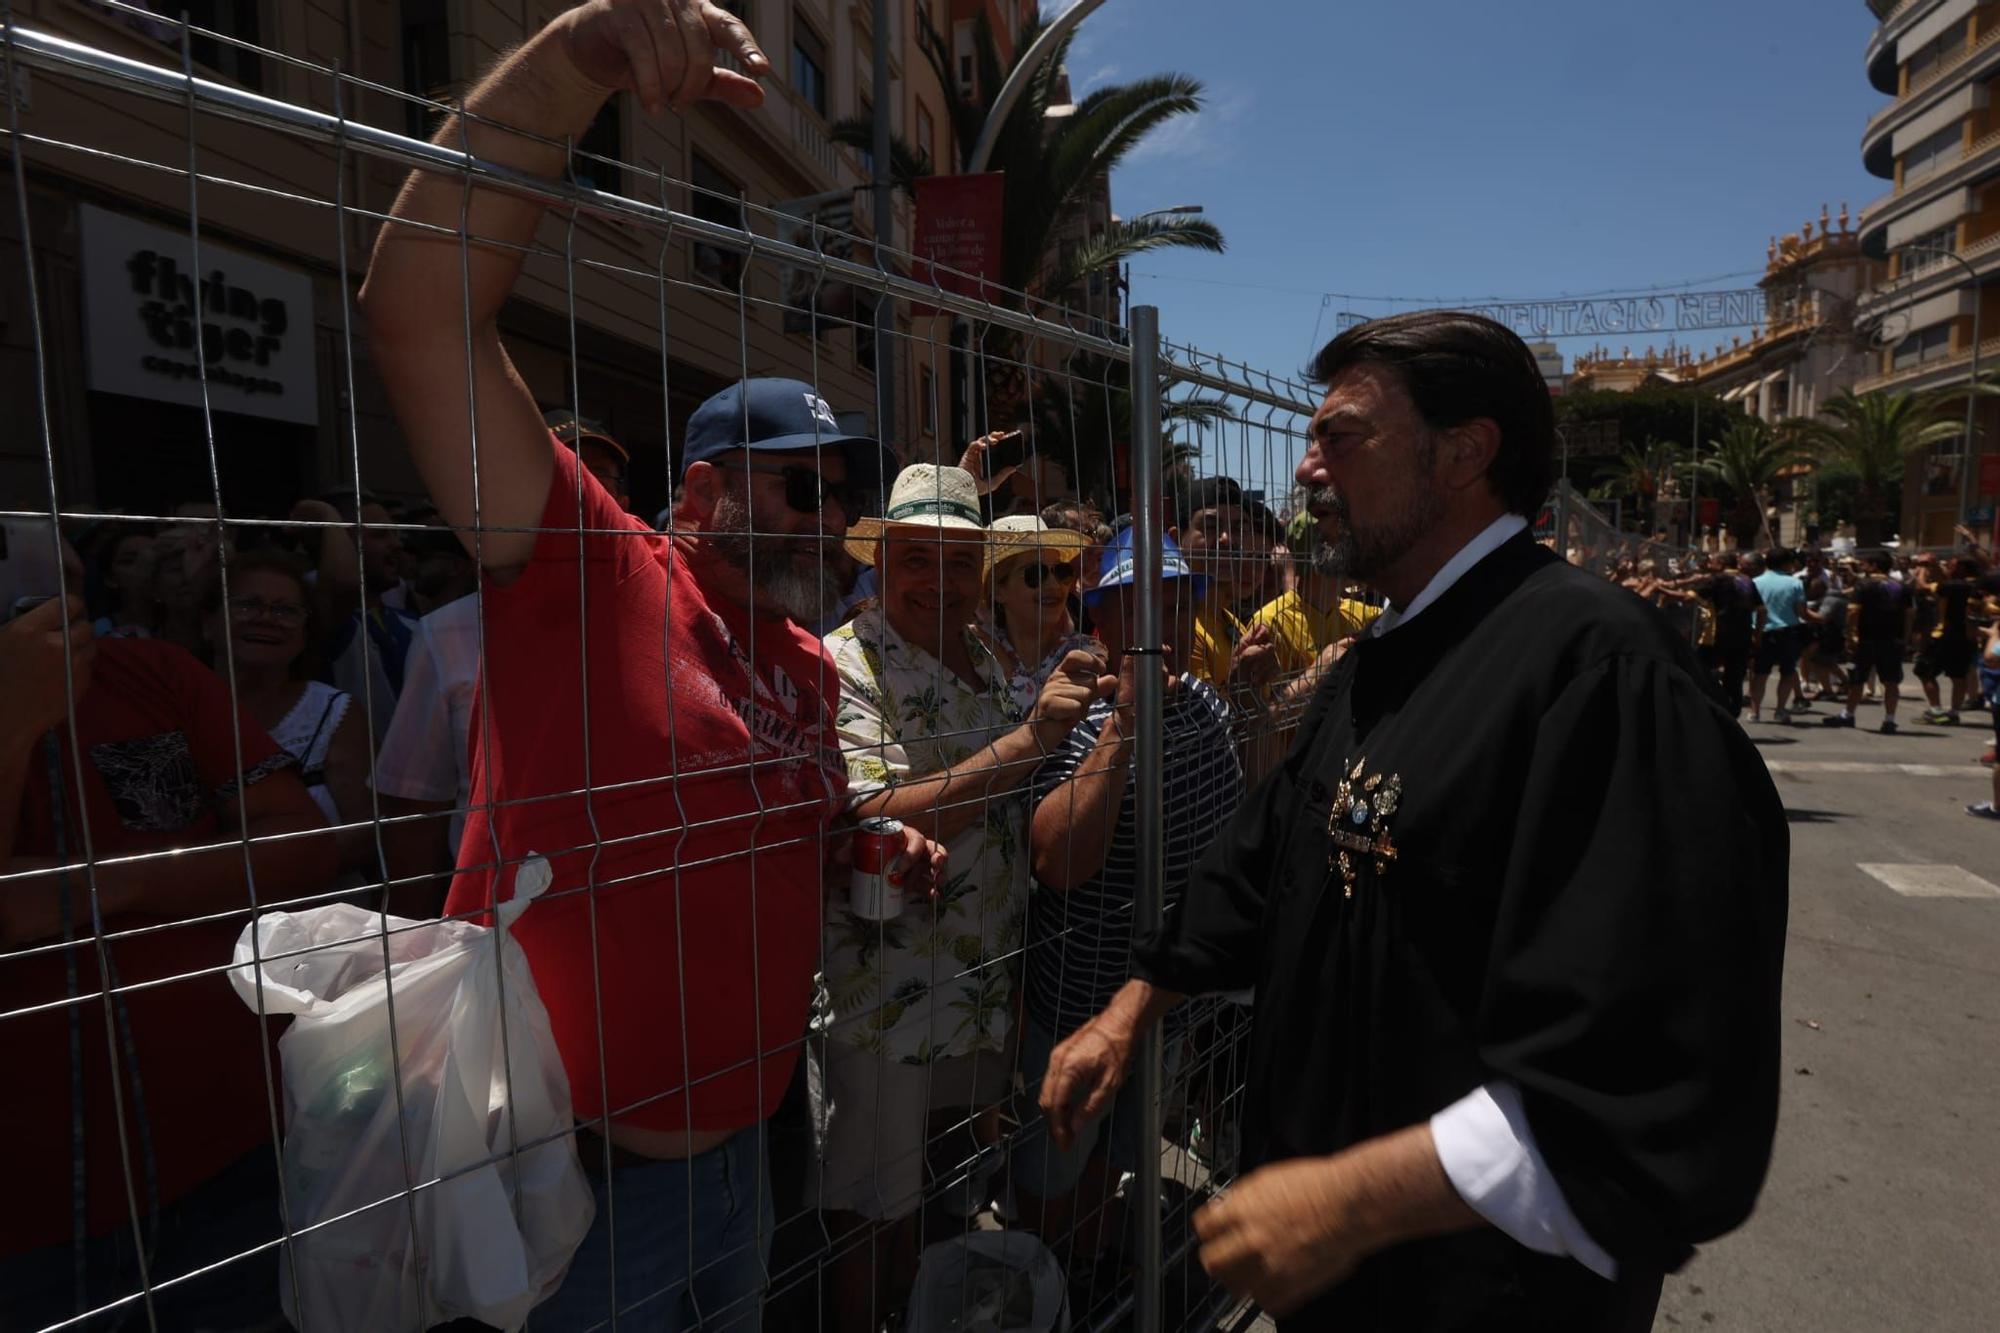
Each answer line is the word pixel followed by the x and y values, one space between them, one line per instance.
pixel 1046 1171
pixel 1947 659
pixel 1882 656
pixel 1779 651
pixel 871 1117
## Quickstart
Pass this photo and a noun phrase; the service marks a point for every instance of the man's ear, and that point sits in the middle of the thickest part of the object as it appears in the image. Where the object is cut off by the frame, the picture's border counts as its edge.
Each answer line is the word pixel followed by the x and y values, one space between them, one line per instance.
pixel 701 487
pixel 1468 453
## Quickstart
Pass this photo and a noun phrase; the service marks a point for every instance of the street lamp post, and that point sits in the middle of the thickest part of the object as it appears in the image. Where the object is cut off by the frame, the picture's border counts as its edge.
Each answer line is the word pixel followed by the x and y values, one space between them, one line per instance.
pixel 1972 381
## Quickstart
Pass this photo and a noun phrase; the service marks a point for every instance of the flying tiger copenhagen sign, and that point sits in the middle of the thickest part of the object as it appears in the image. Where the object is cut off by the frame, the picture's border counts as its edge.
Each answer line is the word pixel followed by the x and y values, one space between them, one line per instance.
pixel 153 325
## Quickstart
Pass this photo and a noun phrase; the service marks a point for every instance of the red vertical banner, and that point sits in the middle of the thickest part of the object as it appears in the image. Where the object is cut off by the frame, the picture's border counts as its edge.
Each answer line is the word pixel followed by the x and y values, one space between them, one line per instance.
pixel 1989 474
pixel 958 232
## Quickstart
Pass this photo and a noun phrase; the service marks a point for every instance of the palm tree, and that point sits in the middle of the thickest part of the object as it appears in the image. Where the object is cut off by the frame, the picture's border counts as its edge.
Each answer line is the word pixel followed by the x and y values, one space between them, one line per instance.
pixel 1746 462
pixel 1051 165
pixel 1875 435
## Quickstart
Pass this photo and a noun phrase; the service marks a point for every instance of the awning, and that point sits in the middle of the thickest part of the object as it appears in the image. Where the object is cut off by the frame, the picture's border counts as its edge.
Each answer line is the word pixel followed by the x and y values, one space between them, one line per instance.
pixel 1937 214
pixel 1933 310
pixel 1931 25
pixel 1948 112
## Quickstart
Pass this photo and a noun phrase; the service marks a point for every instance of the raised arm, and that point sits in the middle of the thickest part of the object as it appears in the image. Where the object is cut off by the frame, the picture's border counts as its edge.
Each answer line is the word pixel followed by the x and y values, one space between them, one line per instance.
pixel 427 292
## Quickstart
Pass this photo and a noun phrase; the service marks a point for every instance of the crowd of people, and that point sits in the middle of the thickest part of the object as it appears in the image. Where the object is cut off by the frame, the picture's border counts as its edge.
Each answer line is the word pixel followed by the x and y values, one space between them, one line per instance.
pixel 1838 630
pixel 340 678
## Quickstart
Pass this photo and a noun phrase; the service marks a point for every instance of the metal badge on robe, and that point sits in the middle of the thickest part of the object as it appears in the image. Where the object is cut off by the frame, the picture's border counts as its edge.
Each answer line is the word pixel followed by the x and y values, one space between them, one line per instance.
pixel 1357 825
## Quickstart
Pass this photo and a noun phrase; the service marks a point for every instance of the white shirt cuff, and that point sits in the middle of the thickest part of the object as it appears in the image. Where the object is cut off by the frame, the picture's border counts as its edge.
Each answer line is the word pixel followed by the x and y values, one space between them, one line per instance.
pixel 1487 1150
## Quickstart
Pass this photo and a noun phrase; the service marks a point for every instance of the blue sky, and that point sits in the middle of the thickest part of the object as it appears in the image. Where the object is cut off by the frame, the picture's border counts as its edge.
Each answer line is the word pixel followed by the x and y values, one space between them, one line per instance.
pixel 1464 148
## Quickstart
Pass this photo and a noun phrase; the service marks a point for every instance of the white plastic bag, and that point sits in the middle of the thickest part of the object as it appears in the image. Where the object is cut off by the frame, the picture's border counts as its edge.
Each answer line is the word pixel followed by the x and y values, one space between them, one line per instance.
pixel 465 1103
pixel 989 1282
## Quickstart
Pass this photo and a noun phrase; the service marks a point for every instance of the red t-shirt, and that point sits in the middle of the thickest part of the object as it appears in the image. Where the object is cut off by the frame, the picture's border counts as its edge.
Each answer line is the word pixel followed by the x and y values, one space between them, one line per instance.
pixel 158 761
pixel 687 858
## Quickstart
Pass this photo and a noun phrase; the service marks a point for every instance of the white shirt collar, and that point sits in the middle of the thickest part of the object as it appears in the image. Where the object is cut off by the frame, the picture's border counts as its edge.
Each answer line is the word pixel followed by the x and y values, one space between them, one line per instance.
pixel 1486 543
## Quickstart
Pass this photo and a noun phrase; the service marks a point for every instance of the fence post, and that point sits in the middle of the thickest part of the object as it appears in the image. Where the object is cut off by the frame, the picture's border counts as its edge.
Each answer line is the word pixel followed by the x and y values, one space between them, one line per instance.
pixel 1148 899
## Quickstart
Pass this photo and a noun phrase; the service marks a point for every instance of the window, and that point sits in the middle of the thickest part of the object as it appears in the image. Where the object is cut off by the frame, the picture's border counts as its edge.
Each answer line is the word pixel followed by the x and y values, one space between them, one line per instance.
pixel 1933 153
pixel 1924 346
pixel 426 64
pixel 715 198
pixel 926 134
pixel 965 74
pixel 238 18
pixel 867 155
pixel 809 65
pixel 927 399
pixel 1929 250
pixel 604 139
pixel 1936 52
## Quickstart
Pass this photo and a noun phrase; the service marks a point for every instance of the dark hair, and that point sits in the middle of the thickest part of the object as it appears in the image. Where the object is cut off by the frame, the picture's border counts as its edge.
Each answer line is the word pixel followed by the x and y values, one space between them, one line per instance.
pixel 1781 558
pixel 1076 516
pixel 1882 561
pixel 1965 567
pixel 1191 497
pixel 1459 367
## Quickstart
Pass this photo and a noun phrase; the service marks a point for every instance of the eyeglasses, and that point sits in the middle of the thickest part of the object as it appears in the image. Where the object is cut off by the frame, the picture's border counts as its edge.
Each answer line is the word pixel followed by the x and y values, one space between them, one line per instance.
pixel 1035 574
pixel 611 478
pixel 289 614
pixel 807 490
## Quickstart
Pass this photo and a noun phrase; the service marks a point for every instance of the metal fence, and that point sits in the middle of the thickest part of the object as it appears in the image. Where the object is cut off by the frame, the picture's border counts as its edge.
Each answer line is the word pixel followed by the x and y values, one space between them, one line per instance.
pixel 204 1139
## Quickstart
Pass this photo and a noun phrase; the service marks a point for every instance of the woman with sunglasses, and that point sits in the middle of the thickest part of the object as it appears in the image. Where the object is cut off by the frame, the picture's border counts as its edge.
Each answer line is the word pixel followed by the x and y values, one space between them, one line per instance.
pixel 1031 570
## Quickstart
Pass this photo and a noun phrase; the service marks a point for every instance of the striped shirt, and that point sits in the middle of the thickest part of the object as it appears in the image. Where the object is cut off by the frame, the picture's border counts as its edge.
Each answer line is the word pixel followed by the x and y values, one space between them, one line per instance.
pixel 1079 943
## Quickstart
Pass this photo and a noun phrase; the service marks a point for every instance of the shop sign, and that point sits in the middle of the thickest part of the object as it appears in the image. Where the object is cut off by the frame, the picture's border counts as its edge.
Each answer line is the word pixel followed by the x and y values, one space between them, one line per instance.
pixel 145 307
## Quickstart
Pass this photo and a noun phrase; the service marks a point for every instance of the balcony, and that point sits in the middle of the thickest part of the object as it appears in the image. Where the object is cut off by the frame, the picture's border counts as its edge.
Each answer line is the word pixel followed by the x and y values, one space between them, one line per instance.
pixel 1882 46
pixel 1932 374
pixel 1926 82
pixel 1970 167
pixel 810 137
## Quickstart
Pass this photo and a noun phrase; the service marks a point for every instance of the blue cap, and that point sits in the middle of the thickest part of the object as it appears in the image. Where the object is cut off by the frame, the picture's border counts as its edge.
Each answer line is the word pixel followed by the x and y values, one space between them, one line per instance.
pixel 778 414
pixel 1119 571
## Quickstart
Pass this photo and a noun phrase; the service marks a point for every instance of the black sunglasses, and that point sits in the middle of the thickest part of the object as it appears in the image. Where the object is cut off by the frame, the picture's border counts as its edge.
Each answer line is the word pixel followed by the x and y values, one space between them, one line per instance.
pixel 807 490
pixel 1034 574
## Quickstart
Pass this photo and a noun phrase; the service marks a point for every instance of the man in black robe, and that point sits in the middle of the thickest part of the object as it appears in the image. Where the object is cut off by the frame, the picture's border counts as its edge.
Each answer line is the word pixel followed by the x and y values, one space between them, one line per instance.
pixel 1516 949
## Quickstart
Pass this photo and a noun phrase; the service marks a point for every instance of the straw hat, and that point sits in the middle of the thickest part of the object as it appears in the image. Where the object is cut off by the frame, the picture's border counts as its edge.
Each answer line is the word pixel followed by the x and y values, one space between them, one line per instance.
pixel 1020 534
pixel 924 497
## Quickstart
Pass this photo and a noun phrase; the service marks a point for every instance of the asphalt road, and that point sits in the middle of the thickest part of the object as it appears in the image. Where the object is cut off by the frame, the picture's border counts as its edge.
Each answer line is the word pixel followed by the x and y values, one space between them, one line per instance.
pixel 1882 1210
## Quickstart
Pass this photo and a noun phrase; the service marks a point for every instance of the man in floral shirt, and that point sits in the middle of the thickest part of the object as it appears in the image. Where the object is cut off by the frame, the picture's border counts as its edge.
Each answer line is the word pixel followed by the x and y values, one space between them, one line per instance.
pixel 920 1004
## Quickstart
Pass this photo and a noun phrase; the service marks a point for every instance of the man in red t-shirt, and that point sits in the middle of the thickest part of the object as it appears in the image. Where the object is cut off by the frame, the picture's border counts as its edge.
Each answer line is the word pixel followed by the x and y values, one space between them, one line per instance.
pixel 151 1097
pixel 652 717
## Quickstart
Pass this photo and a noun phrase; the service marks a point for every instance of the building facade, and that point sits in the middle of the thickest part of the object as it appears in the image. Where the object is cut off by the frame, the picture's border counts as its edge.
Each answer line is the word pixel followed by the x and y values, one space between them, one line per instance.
pixel 1937 308
pixel 613 321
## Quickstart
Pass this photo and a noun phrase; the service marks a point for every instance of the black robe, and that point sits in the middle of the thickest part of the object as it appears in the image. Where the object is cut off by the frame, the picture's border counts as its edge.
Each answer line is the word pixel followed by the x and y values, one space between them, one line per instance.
pixel 1587 897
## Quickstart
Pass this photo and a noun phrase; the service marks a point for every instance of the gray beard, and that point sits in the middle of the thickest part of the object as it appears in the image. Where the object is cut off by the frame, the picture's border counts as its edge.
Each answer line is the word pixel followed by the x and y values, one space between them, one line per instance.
pixel 807 596
pixel 1363 551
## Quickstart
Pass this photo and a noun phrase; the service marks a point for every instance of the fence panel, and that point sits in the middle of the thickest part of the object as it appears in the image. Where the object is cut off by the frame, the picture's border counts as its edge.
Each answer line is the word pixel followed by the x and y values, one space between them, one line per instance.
pixel 370 647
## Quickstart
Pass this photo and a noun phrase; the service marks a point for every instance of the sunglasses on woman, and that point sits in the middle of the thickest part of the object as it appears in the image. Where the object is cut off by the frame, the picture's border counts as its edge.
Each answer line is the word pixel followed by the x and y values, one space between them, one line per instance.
pixel 1036 573
pixel 807 490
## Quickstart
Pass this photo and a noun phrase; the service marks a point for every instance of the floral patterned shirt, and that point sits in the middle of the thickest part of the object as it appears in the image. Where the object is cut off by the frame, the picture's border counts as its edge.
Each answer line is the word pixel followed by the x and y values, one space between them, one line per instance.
pixel 933 982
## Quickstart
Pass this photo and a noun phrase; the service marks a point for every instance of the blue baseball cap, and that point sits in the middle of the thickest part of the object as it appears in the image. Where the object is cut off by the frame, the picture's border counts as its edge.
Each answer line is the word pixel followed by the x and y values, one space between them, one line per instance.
pixel 1120 573
pixel 778 414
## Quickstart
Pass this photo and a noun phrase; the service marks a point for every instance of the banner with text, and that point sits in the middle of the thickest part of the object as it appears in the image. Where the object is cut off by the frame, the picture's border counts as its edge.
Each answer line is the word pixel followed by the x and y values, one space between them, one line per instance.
pixel 958 231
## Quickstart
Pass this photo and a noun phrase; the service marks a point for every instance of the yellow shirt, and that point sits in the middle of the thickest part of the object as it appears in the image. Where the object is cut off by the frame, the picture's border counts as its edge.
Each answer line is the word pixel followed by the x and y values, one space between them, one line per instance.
pixel 1215 636
pixel 1299 630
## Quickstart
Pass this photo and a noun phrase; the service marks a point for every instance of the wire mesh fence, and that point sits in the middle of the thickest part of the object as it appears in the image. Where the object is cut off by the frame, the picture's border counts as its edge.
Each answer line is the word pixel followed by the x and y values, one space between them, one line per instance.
pixel 546 788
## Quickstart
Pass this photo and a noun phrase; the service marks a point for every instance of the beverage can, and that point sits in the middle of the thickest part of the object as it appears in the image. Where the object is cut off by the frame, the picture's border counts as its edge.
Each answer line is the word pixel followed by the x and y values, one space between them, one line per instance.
pixel 870 895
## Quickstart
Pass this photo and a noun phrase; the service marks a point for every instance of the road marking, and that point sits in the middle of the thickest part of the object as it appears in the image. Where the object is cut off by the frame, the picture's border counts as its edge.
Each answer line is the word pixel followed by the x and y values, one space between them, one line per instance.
pixel 1932 881
pixel 1855 766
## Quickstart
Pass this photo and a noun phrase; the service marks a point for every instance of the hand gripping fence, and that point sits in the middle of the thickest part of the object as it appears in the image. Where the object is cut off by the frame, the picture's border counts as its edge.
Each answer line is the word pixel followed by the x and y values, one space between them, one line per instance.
pixel 193 215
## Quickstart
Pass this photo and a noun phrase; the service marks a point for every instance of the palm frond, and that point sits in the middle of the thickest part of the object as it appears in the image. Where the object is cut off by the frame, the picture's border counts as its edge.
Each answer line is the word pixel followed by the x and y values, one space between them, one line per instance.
pixel 1122 240
pixel 907 163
